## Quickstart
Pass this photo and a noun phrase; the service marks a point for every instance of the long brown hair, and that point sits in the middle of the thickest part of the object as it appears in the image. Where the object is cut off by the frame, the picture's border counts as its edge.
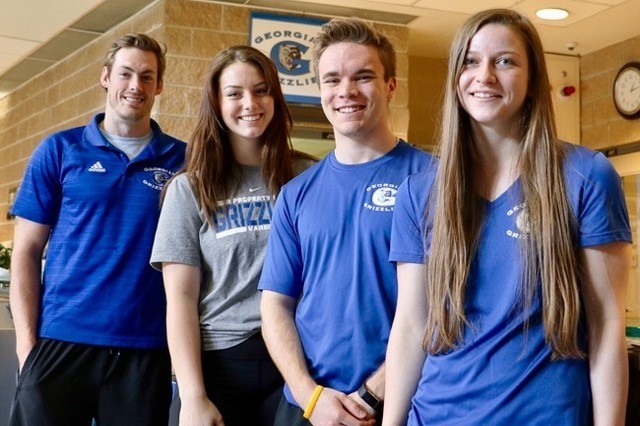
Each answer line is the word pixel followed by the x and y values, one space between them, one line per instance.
pixel 549 254
pixel 210 163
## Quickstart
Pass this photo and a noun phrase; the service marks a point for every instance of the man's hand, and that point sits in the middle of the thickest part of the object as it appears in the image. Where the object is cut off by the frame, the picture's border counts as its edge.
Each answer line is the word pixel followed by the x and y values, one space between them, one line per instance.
pixel 336 408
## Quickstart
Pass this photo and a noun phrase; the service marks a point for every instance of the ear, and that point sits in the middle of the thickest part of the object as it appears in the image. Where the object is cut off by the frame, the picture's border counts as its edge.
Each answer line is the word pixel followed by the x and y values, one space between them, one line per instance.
pixel 392 86
pixel 104 78
pixel 159 87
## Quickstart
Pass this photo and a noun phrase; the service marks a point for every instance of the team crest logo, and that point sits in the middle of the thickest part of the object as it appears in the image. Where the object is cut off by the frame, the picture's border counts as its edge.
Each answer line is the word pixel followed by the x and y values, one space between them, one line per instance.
pixel 381 197
pixel 522 222
pixel 384 197
pixel 159 177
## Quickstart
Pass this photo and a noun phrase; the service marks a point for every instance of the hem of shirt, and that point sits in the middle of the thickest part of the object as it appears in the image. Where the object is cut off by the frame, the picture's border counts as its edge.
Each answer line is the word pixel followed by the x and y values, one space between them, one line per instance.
pixel 610 237
pixel 110 341
pixel 397 256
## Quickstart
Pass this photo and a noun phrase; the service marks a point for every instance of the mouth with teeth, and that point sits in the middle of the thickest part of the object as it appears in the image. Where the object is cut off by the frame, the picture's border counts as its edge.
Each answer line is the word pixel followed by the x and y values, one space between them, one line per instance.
pixel 250 118
pixel 134 99
pixel 349 109
pixel 484 95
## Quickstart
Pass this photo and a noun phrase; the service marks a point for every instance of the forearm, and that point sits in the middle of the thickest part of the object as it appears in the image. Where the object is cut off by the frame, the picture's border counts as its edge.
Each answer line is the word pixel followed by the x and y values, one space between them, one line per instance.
pixel 282 340
pixel 182 286
pixel 183 335
pixel 606 273
pixel 24 296
pixel 24 292
pixel 405 358
pixel 609 375
pixel 376 382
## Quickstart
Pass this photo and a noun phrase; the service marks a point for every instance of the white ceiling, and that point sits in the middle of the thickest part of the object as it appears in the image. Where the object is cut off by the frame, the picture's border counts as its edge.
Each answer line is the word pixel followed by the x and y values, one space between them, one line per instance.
pixel 34 34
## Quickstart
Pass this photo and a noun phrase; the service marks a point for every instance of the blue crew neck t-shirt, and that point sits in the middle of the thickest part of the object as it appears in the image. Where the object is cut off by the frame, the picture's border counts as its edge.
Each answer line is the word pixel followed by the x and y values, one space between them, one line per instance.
pixel 329 248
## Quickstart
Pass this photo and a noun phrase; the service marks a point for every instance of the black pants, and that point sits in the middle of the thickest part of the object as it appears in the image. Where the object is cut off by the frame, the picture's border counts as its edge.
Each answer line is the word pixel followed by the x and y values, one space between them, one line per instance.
pixel 70 384
pixel 243 383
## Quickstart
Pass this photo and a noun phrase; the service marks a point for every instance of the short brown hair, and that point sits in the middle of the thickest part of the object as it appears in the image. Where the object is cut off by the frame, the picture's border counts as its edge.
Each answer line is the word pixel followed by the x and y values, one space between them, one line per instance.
pixel 138 41
pixel 355 30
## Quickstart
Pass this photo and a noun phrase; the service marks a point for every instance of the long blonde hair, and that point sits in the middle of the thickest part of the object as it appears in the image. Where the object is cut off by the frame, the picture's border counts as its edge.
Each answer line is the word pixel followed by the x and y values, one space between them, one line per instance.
pixel 549 254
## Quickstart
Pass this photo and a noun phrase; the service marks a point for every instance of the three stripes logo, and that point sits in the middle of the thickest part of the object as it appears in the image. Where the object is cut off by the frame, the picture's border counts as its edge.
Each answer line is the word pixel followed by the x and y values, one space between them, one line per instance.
pixel 97 168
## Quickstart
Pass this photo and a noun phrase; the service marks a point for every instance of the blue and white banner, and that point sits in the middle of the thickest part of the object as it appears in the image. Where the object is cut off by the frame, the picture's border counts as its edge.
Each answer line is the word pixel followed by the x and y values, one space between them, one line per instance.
pixel 288 40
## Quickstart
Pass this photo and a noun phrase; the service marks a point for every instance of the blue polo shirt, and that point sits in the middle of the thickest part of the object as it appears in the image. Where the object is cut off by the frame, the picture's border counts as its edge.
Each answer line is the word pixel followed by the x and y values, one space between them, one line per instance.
pixel 103 208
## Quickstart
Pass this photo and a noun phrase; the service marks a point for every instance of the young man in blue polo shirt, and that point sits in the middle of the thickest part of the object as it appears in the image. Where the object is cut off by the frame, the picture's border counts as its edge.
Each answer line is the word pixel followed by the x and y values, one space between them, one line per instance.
pixel 90 338
pixel 329 292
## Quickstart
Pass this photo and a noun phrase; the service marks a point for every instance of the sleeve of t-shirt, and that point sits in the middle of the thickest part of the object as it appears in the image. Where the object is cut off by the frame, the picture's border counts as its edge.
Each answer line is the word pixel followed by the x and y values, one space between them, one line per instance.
pixel 40 194
pixel 603 216
pixel 177 237
pixel 282 268
pixel 406 230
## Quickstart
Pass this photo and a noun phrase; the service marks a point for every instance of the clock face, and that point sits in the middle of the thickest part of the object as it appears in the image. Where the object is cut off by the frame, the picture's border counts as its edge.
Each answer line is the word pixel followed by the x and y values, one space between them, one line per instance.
pixel 626 90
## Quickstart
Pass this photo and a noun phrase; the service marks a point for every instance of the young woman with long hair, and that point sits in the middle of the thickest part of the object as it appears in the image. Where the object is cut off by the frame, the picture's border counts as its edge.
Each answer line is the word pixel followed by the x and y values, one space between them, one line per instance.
pixel 512 256
pixel 211 242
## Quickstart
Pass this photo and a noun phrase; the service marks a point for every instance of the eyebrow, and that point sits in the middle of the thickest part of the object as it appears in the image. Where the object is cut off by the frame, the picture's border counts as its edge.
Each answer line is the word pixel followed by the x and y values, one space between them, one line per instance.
pixel 361 71
pixel 501 52
pixel 232 86
pixel 147 71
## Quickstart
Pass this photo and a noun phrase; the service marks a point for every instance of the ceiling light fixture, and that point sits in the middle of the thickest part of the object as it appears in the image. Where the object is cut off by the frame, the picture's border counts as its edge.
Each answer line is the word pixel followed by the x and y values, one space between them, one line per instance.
pixel 552 14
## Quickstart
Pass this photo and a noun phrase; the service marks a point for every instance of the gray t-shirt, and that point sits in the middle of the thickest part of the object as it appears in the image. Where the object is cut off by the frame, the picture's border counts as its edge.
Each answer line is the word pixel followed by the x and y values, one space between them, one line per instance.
pixel 230 253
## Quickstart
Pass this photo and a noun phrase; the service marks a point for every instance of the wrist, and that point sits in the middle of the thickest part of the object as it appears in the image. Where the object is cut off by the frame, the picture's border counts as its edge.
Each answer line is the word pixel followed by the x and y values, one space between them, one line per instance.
pixel 370 398
pixel 303 391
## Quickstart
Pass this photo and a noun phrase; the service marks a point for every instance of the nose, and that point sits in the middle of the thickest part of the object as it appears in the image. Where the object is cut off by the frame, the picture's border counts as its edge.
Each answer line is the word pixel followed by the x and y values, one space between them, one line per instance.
pixel 249 101
pixel 134 83
pixel 347 89
pixel 485 73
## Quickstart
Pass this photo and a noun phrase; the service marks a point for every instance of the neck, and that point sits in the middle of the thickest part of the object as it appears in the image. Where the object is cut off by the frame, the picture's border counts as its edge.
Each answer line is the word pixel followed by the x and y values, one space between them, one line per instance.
pixel 497 164
pixel 360 150
pixel 246 152
pixel 126 129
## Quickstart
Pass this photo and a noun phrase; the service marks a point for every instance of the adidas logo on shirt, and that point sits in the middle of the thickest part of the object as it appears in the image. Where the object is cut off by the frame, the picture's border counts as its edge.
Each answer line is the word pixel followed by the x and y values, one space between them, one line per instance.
pixel 97 167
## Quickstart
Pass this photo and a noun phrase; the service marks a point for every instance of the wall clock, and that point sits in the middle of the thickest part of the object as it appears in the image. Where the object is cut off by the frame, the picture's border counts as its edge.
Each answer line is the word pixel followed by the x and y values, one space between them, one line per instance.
pixel 626 90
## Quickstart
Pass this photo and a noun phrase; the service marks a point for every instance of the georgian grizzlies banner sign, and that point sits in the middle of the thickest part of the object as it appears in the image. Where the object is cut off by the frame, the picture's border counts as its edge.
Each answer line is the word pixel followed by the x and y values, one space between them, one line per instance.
pixel 288 40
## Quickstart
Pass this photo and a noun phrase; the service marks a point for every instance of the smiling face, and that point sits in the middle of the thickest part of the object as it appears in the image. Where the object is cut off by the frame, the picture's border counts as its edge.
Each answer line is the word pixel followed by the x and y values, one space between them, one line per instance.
pixel 132 85
pixel 353 91
pixel 245 103
pixel 493 82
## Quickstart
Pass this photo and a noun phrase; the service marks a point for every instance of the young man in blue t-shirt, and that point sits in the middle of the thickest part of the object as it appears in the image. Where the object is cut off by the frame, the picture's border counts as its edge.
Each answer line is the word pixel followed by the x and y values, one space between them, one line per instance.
pixel 329 292
pixel 90 337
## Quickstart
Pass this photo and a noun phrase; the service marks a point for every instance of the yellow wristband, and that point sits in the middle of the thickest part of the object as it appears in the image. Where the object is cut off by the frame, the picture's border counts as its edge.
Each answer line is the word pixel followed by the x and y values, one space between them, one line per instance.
pixel 312 402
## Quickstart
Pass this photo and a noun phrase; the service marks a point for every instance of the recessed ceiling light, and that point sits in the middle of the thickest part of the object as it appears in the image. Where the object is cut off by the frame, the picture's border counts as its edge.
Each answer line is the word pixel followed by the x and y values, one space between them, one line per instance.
pixel 552 14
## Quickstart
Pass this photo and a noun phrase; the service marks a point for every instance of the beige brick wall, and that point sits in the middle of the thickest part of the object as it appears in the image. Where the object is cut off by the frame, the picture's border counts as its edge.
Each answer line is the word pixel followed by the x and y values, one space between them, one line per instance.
pixel 601 125
pixel 68 94
pixel 428 77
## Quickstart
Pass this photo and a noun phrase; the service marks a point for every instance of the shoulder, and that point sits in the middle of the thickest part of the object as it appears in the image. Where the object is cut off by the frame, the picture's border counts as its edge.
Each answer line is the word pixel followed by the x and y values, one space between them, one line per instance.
pixel 584 164
pixel 167 142
pixel 180 183
pixel 420 184
pixel 59 142
pixel 406 151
